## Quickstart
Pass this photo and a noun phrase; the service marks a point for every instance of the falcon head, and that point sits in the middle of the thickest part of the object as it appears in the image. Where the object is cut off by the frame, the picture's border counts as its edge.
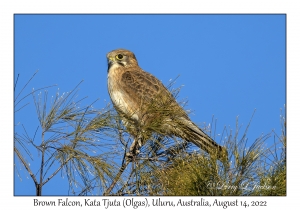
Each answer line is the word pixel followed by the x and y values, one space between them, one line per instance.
pixel 121 57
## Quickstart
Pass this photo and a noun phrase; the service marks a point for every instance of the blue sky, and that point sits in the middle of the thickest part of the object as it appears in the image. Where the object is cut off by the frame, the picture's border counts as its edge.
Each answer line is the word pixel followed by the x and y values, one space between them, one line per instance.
pixel 229 64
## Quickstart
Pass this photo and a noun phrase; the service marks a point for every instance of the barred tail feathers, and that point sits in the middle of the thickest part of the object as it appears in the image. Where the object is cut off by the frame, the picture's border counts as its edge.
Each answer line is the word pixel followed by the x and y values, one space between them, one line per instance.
pixel 202 140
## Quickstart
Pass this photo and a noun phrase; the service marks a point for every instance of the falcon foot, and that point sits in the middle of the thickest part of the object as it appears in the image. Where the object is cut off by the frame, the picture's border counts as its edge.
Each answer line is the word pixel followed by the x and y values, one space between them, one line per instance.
pixel 131 155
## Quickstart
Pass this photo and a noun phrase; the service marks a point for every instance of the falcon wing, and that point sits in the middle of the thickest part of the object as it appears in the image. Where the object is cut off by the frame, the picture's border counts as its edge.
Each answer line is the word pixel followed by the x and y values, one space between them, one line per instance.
pixel 144 87
pixel 151 100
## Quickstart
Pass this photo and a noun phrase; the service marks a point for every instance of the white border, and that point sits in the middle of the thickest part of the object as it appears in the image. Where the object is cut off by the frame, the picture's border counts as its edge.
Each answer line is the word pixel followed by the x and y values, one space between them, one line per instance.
pixel 9 8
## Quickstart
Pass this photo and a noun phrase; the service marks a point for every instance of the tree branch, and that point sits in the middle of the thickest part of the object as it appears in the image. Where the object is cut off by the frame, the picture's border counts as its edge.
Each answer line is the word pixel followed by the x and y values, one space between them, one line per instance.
pixel 57 170
pixel 25 165
pixel 123 167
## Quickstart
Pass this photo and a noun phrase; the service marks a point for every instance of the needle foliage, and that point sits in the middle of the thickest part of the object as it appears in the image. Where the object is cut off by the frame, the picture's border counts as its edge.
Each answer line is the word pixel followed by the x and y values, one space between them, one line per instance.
pixel 89 146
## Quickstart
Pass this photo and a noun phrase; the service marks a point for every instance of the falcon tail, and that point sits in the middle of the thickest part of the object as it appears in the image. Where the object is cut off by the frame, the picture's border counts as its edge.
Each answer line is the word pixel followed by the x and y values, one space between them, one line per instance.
pixel 202 140
pixel 209 145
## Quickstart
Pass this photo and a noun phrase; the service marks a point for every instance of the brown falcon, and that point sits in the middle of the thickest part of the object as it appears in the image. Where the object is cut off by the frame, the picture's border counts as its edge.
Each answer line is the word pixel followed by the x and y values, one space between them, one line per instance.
pixel 147 106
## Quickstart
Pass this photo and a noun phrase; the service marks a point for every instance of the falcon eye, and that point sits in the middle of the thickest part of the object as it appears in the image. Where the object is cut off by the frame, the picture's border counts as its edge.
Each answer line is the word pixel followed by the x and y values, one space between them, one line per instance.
pixel 119 56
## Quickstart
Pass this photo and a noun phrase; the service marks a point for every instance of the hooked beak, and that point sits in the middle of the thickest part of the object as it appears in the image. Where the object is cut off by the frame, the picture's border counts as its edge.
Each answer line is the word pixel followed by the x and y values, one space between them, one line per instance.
pixel 110 61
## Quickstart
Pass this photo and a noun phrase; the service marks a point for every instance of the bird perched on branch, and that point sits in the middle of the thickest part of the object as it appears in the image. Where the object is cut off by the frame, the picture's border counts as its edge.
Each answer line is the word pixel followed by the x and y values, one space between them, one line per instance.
pixel 147 106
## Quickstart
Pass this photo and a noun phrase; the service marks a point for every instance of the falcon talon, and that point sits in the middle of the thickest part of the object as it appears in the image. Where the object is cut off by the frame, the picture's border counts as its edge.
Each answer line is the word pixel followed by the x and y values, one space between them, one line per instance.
pixel 129 156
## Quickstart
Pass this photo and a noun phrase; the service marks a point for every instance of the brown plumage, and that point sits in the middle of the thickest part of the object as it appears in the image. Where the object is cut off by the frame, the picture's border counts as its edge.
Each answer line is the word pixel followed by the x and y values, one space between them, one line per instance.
pixel 147 106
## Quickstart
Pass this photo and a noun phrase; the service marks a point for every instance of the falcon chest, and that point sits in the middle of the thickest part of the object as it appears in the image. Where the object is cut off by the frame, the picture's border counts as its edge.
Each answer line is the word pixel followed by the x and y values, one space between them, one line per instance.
pixel 119 98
